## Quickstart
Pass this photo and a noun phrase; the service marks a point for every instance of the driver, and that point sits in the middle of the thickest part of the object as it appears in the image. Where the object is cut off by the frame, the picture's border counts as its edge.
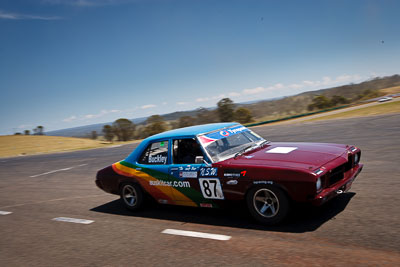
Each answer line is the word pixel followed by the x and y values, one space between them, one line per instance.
pixel 191 150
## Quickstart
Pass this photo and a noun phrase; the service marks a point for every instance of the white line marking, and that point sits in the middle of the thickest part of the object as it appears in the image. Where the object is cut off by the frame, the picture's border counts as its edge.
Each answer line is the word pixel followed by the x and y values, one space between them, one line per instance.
pixel 196 234
pixel 114 146
pixel 5 212
pixel 72 220
pixel 59 170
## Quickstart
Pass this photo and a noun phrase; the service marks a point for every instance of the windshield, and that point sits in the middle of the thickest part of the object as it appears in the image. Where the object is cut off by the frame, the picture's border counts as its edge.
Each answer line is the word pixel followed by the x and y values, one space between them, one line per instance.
pixel 228 142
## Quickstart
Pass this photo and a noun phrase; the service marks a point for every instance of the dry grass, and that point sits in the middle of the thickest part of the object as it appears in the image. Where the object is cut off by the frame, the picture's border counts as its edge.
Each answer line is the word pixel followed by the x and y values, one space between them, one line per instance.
pixel 15 145
pixel 391 90
pixel 383 108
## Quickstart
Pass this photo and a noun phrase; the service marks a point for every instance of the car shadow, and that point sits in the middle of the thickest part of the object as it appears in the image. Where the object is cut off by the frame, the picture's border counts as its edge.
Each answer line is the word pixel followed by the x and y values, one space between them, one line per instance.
pixel 303 218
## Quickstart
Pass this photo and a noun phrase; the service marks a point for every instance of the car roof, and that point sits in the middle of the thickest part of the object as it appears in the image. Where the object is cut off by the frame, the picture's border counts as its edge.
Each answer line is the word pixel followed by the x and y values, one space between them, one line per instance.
pixel 193 130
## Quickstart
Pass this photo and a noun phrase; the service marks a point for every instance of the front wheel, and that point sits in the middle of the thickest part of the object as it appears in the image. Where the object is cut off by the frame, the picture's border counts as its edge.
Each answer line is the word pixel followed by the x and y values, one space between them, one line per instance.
pixel 268 204
pixel 131 196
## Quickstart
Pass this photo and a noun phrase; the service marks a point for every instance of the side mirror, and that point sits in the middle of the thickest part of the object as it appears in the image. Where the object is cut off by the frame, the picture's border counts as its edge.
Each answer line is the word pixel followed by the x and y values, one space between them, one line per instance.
pixel 199 160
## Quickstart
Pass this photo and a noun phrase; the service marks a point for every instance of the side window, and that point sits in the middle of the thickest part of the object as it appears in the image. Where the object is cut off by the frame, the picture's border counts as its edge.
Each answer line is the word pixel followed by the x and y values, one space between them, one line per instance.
pixel 185 151
pixel 155 153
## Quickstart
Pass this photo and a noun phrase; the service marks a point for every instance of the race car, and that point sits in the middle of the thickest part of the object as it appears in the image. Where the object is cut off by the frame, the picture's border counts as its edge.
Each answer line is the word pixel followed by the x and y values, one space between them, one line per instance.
pixel 213 164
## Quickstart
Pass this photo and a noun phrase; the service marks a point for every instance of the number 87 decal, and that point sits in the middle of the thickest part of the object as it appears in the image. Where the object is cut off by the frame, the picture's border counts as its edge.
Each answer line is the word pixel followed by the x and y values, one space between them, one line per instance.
pixel 211 188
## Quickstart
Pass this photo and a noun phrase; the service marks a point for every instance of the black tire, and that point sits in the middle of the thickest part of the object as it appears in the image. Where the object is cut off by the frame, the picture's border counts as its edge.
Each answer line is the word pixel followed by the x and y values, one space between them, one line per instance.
pixel 267 204
pixel 131 196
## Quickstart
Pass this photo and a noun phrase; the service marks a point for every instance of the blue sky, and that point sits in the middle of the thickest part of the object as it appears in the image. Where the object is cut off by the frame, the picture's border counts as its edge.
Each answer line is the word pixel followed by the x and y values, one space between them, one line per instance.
pixel 71 63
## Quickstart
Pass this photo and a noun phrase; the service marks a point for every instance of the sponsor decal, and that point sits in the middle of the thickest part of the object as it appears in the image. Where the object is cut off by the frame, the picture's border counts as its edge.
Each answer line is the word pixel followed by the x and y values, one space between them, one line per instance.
pixel 187 168
pixel 237 130
pixel 157 159
pixel 163 201
pixel 249 157
pixel 207 139
pixel 224 133
pixel 149 179
pixel 208 172
pixel 211 188
pixel 281 150
pixel 180 184
pixel 263 182
pixel 235 173
pixel 206 205
pixel 186 174
pixel 232 182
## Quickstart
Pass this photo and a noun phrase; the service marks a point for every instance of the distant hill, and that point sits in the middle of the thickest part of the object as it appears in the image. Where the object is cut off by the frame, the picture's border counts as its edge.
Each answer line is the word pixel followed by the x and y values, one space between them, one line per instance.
pixel 263 109
pixel 297 104
pixel 84 131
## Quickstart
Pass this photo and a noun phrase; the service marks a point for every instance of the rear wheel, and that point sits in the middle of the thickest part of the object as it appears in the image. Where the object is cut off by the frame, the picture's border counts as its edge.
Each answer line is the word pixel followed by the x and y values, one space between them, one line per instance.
pixel 268 204
pixel 131 196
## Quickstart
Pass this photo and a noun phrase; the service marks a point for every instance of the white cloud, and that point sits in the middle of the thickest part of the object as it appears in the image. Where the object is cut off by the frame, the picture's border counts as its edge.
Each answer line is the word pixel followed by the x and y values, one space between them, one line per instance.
pixel 202 99
pixel 15 16
pixel 91 116
pixel 278 86
pixel 148 106
pixel 234 94
pixel 308 83
pixel 296 86
pixel 325 82
pixel 328 81
pixel 254 91
pixel 181 103
pixel 260 89
pixel 70 119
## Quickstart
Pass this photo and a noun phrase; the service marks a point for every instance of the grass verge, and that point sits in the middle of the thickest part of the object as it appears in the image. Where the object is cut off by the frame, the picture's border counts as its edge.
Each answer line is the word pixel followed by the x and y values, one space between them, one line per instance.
pixel 381 109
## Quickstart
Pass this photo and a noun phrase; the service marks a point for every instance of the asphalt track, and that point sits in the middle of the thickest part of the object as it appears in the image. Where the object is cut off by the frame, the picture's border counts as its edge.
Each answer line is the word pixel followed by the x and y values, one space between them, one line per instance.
pixel 357 228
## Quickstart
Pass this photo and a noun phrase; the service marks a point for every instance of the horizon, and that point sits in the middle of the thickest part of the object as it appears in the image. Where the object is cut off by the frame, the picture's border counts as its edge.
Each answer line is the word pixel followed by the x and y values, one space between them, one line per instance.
pixel 68 64
pixel 214 107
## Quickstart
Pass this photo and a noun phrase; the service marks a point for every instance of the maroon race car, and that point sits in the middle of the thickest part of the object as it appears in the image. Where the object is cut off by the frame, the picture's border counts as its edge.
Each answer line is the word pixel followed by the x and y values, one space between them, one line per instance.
pixel 207 165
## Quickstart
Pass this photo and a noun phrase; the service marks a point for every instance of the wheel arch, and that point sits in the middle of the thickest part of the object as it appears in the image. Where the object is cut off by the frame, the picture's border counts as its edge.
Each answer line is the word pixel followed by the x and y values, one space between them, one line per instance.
pixel 272 183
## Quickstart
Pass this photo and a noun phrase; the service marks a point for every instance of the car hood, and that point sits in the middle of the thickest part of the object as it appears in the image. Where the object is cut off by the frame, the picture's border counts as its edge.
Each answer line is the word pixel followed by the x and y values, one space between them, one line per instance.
pixel 291 155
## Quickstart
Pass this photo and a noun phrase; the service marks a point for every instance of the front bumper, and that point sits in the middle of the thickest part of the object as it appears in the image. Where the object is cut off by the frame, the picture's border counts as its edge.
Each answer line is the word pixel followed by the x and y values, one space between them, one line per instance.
pixel 339 188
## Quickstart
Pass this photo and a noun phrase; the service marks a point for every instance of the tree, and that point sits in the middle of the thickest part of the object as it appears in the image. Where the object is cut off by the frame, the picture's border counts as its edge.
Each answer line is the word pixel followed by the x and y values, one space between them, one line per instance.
pixel 185 121
pixel 27 132
pixel 39 130
pixel 320 102
pixel 93 135
pixel 17 133
pixel 205 116
pixel 225 109
pixel 155 124
pixel 108 133
pixel 243 115
pixel 338 99
pixel 123 129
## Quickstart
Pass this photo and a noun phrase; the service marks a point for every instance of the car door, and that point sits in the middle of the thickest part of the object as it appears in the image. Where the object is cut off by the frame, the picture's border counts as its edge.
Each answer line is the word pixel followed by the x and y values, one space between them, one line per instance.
pixel 196 184
pixel 154 164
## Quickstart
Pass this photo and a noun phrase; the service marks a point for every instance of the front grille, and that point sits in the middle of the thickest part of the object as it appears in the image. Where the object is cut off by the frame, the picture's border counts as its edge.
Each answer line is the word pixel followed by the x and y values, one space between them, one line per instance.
pixel 337 174
pixel 350 163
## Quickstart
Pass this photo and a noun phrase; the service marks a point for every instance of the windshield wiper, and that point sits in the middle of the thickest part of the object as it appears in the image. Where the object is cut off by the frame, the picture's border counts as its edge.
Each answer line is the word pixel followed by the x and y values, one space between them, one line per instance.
pixel 264 142
pixel 242 151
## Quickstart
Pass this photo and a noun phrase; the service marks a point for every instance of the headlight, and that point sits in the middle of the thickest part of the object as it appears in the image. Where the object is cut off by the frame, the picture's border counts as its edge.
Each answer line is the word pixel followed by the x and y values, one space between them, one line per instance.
pixel 356 158
pixel 318 184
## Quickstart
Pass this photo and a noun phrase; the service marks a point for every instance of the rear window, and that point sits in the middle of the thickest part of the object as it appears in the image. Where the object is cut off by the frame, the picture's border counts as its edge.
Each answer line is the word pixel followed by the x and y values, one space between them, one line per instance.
pixel 155 154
